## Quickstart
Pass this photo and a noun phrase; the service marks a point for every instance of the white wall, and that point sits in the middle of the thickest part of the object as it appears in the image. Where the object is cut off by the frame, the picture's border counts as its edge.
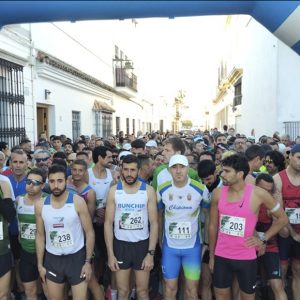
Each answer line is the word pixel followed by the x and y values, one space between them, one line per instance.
pixel 50 39
pixel 259 83
pixel 288 90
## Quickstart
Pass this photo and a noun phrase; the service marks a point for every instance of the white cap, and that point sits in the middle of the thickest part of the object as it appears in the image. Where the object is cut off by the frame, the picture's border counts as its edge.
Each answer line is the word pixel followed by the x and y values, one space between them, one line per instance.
pixel 140 137
pixel 178 159
pixel 281 147
pixel 124 153
pixel 126 146
pixel 151 143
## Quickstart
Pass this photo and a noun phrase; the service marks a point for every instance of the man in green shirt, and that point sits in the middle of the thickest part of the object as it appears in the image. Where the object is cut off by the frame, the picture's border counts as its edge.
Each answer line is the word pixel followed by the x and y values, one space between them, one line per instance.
pixel 161 174
pixel 27 229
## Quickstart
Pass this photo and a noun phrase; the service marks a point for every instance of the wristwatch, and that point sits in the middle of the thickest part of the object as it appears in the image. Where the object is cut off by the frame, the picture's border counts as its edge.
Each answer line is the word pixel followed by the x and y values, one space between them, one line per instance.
pixel 262 237
pixel 151 252
pixel 88 260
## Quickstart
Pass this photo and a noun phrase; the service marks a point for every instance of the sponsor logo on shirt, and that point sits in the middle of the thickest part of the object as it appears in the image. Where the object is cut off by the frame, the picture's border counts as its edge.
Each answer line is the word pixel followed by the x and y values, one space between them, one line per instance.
pixel 174 207
pixel 59 222
pixel 131 205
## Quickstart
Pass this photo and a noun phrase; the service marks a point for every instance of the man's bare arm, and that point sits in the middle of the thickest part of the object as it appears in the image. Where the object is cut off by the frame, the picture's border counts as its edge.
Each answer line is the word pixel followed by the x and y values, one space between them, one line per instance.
pixel 153 217
pixel 40 238
pixel 91 202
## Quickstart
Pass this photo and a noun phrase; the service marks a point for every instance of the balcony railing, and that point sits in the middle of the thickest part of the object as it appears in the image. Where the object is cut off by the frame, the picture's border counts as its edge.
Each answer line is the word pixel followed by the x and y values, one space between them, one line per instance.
pixel 237 100
pixel 125 78
pixel 292 129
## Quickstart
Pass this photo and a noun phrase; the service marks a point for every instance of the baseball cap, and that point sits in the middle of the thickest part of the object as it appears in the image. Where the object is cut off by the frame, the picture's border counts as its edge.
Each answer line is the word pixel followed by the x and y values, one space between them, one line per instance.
pixel 151 143
pixel 126 146
pixel 198 139
pixel 123 154
pixel 178 159
pixel 295 149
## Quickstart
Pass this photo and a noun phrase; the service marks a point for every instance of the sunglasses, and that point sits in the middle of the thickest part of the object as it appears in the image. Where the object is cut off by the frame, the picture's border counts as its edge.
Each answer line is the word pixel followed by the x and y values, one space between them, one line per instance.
pixel 239 143
pixel 33 182
pixel 268 161
pixel 41 159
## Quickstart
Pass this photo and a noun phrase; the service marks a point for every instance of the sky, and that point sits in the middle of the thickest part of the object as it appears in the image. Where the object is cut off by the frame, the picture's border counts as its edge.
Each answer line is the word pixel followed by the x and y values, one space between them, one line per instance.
pixel 181 53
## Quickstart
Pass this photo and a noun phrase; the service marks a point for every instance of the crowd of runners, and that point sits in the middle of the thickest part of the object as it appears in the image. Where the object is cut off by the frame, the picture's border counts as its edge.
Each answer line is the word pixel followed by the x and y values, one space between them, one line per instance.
pixel 197 215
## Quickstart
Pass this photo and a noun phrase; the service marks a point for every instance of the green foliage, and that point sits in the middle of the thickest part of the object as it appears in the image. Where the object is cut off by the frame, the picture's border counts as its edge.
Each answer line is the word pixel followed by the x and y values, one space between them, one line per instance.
pixel 187 124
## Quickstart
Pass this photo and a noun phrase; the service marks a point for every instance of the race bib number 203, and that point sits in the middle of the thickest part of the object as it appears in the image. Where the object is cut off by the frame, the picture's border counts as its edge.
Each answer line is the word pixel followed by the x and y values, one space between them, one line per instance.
pixel 231 225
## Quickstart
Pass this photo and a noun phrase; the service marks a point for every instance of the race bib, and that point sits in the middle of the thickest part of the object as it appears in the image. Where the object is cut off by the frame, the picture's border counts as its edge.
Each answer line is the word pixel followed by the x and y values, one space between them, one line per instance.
pixel 1 231
pixel 293 214
pixel 232 225
pixel 61 239
pixel 180 230
pixel 28 231
pixel 132 220
pixel 100 203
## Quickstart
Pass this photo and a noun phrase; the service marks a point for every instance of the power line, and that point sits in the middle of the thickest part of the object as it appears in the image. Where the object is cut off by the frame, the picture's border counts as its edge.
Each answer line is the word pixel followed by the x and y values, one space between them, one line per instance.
pixel 83 46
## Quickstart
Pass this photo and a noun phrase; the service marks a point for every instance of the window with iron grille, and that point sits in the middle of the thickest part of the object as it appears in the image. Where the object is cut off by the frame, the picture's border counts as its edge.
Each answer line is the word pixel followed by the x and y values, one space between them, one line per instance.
pixel 106 124
pixel 76 128
pixel 103 123
pixel 117 125
pixel 127 126
pixel 237 93
pixel 133 126
pixel 12 110
pixel 161 125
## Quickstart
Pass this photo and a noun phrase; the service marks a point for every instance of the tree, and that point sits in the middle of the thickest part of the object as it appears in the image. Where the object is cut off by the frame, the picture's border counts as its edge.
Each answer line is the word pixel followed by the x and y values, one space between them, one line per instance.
pixel 187 124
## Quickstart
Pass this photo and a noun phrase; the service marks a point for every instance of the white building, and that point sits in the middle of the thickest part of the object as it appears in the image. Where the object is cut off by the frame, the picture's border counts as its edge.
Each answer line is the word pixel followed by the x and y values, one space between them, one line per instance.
pixel 258 79
pixel 51 80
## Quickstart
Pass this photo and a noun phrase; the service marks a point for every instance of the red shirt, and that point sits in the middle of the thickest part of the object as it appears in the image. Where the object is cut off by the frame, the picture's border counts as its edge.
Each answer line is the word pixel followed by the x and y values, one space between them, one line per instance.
pixel 291 199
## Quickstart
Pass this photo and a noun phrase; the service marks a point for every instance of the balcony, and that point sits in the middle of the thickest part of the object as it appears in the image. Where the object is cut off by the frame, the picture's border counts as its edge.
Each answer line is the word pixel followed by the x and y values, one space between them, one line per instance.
pixel 126 82
pixel 237 100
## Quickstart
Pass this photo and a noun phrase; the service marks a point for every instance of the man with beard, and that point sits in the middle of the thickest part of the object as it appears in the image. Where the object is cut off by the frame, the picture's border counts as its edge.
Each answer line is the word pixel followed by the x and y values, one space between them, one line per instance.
pixel 100 178
pixel 268 261
pixel 131 230
pixel 209 176
pixel 240 145
pixel 233 216
pixel 287 184
pixel 68 147
pixel 88 194
pixel 64 238
pixel 42 159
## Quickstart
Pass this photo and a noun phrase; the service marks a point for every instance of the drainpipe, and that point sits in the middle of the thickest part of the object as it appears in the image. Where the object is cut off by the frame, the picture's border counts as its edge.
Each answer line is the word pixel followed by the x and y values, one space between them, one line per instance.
pixel 31 63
